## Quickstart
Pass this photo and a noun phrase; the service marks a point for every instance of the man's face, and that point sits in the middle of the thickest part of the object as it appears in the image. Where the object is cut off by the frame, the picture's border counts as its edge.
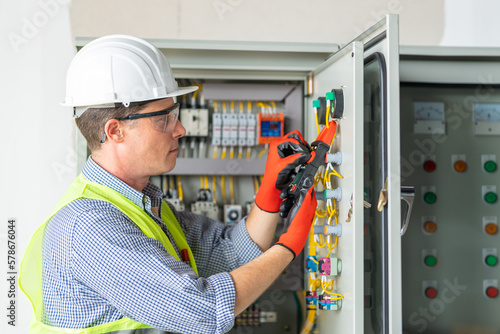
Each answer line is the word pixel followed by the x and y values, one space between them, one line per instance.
pixel 152 151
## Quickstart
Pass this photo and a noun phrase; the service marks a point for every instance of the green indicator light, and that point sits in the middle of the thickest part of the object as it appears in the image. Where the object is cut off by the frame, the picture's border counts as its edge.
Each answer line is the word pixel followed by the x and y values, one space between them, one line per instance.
pixel 490 166
pixel 430 261
pixel 316 104
pixel 430 197
pixel 490 197
pixel 330 96
pixel 491 260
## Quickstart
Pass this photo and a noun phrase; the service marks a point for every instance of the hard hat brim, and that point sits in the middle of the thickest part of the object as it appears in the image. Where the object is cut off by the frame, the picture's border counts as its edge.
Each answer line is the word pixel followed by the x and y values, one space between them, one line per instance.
pixel 106 104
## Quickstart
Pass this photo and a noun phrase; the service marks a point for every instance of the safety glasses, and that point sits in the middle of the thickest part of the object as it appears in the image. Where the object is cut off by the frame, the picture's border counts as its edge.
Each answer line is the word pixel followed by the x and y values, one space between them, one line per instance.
pixel 163 120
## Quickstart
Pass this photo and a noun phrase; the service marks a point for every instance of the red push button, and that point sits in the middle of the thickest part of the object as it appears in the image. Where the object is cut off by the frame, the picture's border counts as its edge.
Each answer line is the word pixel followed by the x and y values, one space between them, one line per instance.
pixel 492 292
pixel 431 293
pixel 429 166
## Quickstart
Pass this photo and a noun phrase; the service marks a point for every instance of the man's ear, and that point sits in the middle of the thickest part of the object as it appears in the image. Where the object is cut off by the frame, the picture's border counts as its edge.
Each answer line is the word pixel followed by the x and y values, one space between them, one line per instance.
pixel 115 130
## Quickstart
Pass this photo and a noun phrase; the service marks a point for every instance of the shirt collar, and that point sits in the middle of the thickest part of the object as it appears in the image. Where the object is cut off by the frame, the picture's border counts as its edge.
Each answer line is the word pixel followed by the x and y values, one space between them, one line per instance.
pixel 151 195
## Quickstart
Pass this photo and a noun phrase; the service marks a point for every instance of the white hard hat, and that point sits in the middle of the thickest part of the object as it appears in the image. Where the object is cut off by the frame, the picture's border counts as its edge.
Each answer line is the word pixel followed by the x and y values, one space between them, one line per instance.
pixel 119 69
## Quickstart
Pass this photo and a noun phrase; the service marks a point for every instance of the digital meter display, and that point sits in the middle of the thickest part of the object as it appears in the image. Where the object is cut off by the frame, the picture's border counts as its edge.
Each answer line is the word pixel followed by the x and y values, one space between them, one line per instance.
pixel 486 112
pixel 428 111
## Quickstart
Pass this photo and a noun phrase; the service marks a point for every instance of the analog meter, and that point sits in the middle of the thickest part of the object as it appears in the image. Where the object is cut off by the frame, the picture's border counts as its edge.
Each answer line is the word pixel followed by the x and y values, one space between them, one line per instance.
pixel 486 118
pixel 428 111
pixel 429 117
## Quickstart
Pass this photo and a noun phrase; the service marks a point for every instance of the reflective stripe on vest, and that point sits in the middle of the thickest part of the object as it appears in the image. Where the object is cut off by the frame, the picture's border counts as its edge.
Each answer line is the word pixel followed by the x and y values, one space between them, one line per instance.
pixel 30 278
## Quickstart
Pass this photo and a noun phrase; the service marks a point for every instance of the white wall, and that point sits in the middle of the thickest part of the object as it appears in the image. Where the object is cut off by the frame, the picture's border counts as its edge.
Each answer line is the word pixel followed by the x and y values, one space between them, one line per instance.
pixel 324 21
pixel 36 135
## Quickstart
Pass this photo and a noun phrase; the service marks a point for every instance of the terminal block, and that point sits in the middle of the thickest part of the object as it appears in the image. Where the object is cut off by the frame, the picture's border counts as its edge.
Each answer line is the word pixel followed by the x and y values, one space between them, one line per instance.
pixel 312 264
pixel 177 204
pixel 209 209
pixel 311 298
pixel 326 303
pixel 330 266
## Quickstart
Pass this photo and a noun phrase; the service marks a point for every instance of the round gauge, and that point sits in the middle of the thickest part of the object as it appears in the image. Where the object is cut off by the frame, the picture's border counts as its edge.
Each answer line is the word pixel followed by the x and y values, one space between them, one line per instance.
pixel 486 112
pixel 428 111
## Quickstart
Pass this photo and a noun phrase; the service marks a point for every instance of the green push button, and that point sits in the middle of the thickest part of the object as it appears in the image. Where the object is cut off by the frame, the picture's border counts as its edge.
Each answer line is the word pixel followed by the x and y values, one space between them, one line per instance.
pixel 490 197
pixel 490 166
pixel 316 104
pixel 330 96
pixel 430 197
pixel 430 260
pixel 491 260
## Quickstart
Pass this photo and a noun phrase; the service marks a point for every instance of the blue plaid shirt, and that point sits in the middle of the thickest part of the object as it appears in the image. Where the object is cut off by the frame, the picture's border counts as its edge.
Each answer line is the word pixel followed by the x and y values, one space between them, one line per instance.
pixel 99 267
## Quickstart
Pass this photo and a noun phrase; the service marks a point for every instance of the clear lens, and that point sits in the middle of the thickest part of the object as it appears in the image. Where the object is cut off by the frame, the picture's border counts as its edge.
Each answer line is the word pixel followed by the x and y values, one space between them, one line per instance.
pixel 165 123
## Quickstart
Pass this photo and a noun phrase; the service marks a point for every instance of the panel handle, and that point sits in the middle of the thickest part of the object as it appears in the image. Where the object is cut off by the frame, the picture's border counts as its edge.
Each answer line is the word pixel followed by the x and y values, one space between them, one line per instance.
pixel 407 195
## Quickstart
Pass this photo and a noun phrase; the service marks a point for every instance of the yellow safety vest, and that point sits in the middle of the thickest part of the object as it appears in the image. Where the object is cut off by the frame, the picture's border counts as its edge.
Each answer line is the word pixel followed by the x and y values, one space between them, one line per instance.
pixel 30 278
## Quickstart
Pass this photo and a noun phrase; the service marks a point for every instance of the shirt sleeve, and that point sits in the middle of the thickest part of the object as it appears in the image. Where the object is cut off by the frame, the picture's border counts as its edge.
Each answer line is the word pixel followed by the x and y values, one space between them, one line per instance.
pixel 215 246
pixel 111 256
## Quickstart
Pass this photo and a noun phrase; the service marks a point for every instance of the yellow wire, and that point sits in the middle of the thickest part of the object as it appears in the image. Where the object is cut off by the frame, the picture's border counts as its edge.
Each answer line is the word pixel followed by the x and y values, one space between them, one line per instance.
pixel 231 153
pixel 240 152
pixel 249 106
pixel 214 188
pixel 224 109
pixel 264 151
pixel 232 106
pixel 231 188
pixel 321 213
pixel 316 116
pixel 241 106
pixel 179 187
pixel 215 105
pixel 249 152
pixel 319 244
pixel 314 260
pixel 255 184
pixel 223 155
pixel 327 114
pixel 223 186
pixel 196 91
pixel 274 105
pixel 201 182
pixel 215 153
pixel 206 182
pixel 332 248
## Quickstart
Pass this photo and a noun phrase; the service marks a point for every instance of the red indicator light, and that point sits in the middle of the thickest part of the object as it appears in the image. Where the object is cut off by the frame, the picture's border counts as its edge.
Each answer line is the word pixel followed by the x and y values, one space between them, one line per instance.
pixel 460 166
pixel 429 166
pixel 431 293
pixel 492 292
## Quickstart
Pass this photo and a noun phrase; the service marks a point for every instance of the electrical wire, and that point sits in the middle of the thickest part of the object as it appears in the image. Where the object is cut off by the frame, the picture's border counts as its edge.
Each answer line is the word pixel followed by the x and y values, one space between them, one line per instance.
pixel 316 117
pixel 223 186
pixel 231 188
pixel 179 187
pixel 214 188
pixel 264 151
pixel 224 151
pixel 231 152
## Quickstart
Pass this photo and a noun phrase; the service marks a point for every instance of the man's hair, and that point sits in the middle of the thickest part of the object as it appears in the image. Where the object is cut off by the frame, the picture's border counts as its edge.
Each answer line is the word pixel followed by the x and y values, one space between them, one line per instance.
pixel 91 122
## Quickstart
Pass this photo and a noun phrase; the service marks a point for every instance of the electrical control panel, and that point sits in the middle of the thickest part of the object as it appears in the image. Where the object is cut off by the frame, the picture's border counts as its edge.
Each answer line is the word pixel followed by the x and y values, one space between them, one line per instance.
pixel 449 151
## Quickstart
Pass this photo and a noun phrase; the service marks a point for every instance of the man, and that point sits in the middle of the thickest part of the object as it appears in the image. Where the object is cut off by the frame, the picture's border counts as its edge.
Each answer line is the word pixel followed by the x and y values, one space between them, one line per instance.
pixel 113 257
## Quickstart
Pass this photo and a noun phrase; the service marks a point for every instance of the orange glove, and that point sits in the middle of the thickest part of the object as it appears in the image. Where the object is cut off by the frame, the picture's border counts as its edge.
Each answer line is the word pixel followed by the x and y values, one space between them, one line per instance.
pixel 285 154
pixel 299 220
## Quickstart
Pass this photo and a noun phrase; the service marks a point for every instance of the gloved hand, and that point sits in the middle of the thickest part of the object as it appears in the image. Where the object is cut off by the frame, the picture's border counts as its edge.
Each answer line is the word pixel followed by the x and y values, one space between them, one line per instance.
pixel 285 154
pixel 299 219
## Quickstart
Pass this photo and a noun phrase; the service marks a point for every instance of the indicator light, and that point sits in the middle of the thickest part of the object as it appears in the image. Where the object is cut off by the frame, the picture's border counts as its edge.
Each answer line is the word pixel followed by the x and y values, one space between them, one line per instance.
pixel 490 197
pixel 431 293
pixel 429 166
pixel 490 166
pixel 491 260
pixel 430 227
pixel 492 292
pixel 491 228
pixel 460 166
pixel 430 260
pixel 430 197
